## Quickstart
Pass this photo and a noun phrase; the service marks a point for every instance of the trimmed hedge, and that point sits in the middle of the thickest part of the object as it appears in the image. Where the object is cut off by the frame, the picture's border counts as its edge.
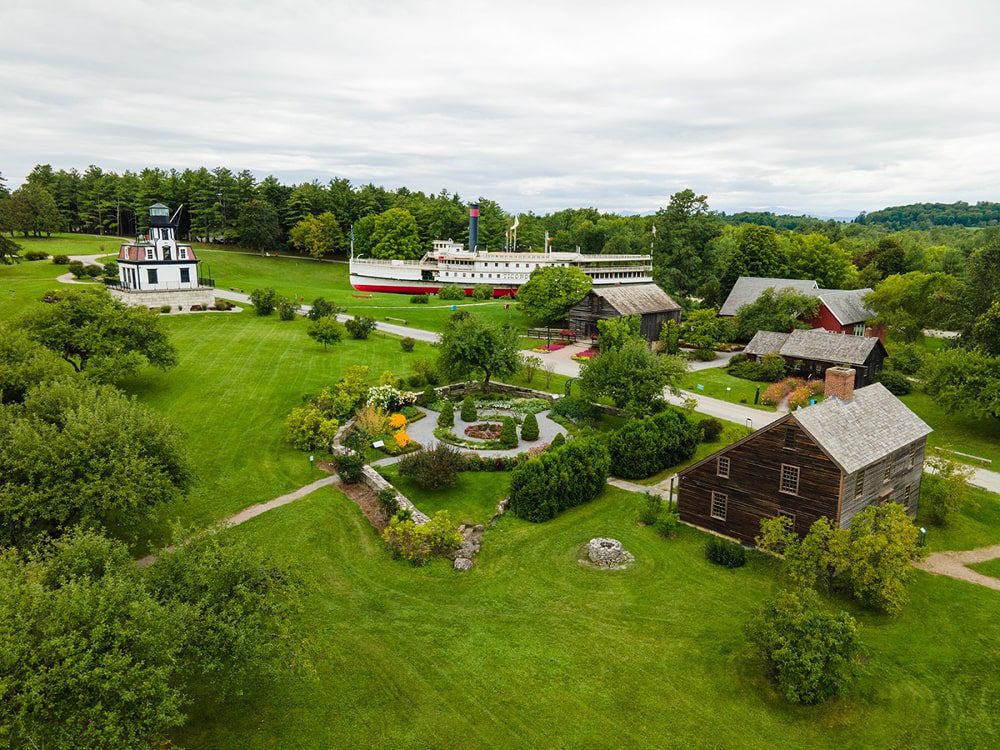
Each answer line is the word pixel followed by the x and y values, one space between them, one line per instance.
pixel 771 367
pixel 446 418
pixel 529 430
pixel 725 553
pixel 508 433
pixel 642 447
pixel 559 479
pixel 468 412
pixel 450 291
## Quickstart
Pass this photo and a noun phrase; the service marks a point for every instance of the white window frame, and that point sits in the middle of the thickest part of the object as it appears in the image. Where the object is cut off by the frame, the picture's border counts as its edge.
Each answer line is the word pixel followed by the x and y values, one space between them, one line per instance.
pixel 719 497
pixel 722 469
pixel 859 329
pixel 150 253
pixel 781 480
pixel 182 253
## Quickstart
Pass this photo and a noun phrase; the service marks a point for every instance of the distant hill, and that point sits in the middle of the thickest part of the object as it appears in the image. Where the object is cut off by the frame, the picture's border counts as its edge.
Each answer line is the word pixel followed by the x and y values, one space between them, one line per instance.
pixel 790 222
pixel 927 215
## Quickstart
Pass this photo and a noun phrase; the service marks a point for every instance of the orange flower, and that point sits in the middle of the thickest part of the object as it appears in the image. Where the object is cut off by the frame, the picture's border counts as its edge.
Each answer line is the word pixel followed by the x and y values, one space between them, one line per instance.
pixel 402 439
pixel 397 421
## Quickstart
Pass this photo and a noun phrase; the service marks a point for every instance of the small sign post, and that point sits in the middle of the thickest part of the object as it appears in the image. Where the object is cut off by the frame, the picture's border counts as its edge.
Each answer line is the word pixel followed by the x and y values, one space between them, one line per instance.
pixel 312 460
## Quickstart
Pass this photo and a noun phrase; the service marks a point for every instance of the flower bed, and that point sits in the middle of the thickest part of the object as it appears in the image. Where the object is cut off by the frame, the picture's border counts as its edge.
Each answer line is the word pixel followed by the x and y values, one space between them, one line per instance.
pixel 484 430
pixel 554 346
pixel 587 354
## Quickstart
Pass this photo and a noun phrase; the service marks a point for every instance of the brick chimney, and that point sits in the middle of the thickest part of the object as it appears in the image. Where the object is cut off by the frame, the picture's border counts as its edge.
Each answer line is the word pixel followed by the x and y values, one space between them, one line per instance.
pixel 840 383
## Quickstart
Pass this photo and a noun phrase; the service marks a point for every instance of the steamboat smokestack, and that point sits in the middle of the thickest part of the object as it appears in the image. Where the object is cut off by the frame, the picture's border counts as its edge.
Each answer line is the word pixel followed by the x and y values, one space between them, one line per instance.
pixel 473 226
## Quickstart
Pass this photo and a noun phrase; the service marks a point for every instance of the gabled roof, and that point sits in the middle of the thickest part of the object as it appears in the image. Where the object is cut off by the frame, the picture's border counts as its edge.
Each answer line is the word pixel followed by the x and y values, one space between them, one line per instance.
pixel 864 430
pixel 847 305
pixel 636 299
pixel 747 289
pixel 814 344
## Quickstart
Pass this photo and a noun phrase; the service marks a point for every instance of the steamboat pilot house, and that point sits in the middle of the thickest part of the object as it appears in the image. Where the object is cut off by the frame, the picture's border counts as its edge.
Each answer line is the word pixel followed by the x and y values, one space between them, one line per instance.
pixel 156 270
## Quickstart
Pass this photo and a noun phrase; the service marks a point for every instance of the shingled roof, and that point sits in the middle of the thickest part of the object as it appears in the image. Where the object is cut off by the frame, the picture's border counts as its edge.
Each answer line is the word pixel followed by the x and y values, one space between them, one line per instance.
pixel 847 305
pixel 814 344
pixel 636 299
pixel 747 289
pixel 864 430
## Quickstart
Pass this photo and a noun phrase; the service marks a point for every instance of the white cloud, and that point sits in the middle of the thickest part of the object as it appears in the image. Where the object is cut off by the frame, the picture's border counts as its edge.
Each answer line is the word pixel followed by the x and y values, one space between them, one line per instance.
pixel 849 106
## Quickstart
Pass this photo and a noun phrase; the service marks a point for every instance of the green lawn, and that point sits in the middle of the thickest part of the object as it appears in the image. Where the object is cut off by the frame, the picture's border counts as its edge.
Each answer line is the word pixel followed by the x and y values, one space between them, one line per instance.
pixel 472 500
pixel 239 376
pixel 977 525
pixel 988 568
pixel 716 380
pixel 958 432
pixel 531 650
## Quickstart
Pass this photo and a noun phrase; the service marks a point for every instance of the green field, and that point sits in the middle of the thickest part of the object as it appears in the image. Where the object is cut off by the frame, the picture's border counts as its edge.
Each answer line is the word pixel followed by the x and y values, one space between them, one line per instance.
pixel 988 568
pixel 716 380
pixel 531 650
pixel 978 525
pixel 472 500
pixel 958 432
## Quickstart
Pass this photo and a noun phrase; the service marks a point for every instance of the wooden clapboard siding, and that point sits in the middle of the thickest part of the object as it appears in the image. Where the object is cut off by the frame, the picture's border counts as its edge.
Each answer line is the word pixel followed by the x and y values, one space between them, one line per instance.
pixel 754 481
pixel 876 490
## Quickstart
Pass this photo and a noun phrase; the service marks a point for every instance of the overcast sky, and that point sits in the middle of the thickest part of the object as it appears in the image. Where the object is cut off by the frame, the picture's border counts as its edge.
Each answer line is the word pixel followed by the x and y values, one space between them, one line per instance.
pixel 824 108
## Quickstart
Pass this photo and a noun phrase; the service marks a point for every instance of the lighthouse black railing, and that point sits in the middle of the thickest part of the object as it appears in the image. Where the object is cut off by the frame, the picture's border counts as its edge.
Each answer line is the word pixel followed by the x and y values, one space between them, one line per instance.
pixel 203 282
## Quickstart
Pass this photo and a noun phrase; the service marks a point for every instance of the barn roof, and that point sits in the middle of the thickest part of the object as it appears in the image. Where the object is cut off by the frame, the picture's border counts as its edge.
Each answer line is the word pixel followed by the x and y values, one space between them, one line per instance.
pixel 814 344
pixel 847 305
pixel 748 288
pixel 865 429
pixel 636 299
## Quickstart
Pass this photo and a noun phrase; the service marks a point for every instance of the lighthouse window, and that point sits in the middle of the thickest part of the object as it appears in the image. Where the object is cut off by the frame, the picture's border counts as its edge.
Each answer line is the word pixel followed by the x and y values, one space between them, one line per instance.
pixel 182 253
pixel 149 253
pixel 151 275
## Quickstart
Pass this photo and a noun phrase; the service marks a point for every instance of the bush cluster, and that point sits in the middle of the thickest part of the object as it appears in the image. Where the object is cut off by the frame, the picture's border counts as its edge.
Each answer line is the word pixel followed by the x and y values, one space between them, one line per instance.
pixel 476 462
pixel 642 447
pixel 165 308
pixel 577 409
pixel 323 308
pixel 895 381
pixel 906 358
pixel 264 300
pixel 433 468
pixel 451 291
pixel 360 326
pixel 420 299
pixel 36 255
pixel 349 466
pixel 770 368
pixel 417 543
pixel 710 429
pixel 223 305
pixel 446 417
pixel 81 270
pixel 61 260
pixel 407 344
pixel 558 479
pixel 482 292
pixel 388 501
pixel 287 308
pixel 725 553
pixel 775 392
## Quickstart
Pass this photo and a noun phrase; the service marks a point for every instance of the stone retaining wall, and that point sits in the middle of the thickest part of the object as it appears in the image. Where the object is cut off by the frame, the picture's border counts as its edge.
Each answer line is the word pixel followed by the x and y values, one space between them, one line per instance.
pixel 157 298
pixel 376 483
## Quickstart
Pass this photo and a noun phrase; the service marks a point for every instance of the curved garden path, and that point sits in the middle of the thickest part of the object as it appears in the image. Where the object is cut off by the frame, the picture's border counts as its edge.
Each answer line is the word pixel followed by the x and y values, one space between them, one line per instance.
pixel 953 564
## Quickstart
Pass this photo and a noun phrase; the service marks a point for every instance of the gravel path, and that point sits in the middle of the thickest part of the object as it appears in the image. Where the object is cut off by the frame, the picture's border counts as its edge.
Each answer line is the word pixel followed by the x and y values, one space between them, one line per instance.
pixel 952 564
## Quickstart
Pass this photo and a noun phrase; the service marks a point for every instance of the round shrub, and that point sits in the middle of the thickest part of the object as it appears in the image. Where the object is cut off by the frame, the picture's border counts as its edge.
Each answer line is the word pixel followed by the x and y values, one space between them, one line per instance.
pixel 433 468
pixel 508 433
pixel 287 308
pixel 428 397
pixel 420 299
pixel 446 418
pixel 264 300
pixel 642 447
pixel 558 440
pixel 703 355
pixel 469 413
pixel 575 473
pixel 710 429
pixel 349 466
pixel 37 255
pixel 61 260
pixel 574 408
pixel 360 327
pixel 482 292
pixel 895 382
pixel 451 291
pixel 725 553
pixel 388 501
pixel 667 523
pixel 407 345
pixel 529 429
pixel 165 308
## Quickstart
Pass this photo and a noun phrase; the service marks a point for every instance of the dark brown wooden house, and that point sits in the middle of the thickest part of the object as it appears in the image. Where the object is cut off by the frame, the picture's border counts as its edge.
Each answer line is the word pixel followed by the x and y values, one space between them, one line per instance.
pixel 832 459
pixel 811 352
pixel 652 304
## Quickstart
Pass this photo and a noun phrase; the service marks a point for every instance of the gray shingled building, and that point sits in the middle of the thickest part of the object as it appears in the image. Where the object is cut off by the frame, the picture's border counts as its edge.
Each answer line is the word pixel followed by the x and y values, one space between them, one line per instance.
pixel 854 449
pixel 653 305
pixel 810 352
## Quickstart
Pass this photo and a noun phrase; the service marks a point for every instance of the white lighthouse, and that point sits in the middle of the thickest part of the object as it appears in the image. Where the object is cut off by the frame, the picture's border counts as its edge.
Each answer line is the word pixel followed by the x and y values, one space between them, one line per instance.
pixel 155 270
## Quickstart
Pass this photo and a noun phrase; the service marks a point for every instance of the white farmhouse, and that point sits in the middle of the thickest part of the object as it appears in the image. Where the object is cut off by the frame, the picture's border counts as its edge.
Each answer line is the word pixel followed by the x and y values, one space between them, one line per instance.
pixel 155 271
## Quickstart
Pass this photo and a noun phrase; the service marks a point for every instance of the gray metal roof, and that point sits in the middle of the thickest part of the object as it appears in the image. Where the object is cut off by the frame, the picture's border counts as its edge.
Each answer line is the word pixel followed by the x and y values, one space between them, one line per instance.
pixel 765 342
pixel 748 288
pixel 636 299
pixel 847 305
pixel 866 429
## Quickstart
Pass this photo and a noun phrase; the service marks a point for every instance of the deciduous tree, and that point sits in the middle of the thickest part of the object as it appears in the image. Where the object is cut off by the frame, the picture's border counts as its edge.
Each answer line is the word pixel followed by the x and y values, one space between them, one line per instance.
pixel 318 235
pixel 395 235
pixel 471 345
pixel 259 227
pixel 632 376
pixel 549 293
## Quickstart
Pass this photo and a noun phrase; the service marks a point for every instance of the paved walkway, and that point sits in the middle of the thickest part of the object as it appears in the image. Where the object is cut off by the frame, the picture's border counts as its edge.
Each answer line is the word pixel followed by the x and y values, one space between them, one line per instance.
pixel 255 510
pixel 423 432
pixel 953 565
